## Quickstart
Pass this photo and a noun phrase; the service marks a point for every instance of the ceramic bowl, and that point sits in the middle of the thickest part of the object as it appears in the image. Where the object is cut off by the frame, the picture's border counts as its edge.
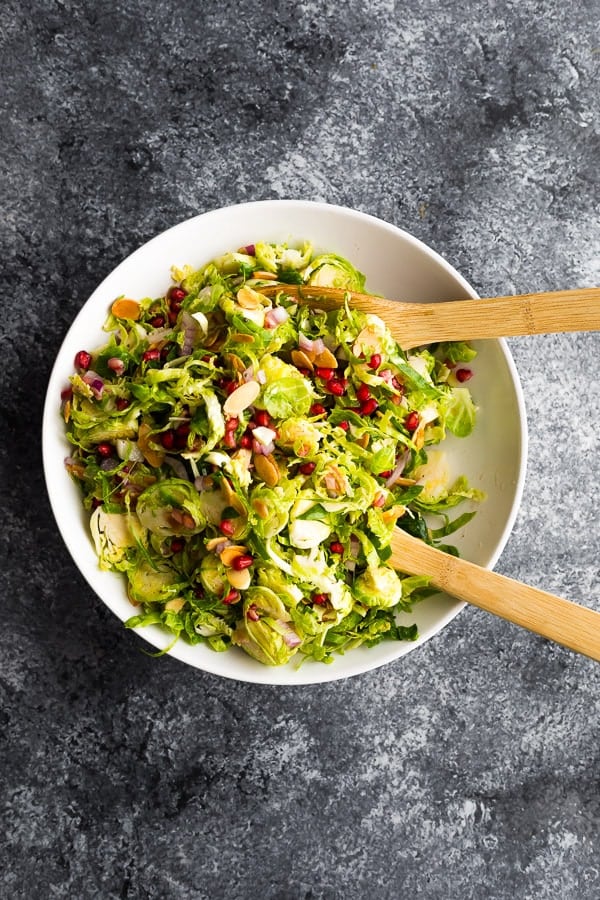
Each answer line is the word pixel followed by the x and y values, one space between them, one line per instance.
pixel 396 265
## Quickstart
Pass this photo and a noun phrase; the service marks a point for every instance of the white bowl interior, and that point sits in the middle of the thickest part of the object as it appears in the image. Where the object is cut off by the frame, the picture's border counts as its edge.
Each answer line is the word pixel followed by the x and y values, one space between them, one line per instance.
pixel 396 265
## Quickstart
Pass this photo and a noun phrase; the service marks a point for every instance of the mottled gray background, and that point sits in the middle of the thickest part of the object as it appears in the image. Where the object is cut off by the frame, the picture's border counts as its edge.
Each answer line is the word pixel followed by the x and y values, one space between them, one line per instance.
pixel 470 768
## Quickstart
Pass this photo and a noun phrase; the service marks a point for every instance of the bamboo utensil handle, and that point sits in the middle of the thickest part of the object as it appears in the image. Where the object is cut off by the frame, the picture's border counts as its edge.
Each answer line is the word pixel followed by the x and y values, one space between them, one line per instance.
pixel 413 324
pixel 567 623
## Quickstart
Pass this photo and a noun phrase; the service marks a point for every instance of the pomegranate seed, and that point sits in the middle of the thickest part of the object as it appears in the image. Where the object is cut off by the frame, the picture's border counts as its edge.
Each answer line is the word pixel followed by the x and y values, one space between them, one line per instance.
pixel 157 321
pixel 411 422
pixel 177 295
pixel 153 353
pixel 307 468
pixel 335 386
pixel 336 547
pixel 121 403
pixel 463 374
pixel 231 597
pixel 320 599
pixel 66 394
pixel 397 385
pixel 228 385
pixel 317 409
pixel 83 360
pixel 229 440
pixel 303 371
pixel 385 474
pixel 242 562
pixel 249 250
pixel 375 361
pixel 167 439
pixel 262 418
pixel 173 316
pixel 226 527
pixel 104 450
pixel 232 423
pixel 369 406
pixel 322 372
pixel 246 441
pixel 177 545
pixel 363 393
pixel 181 441
pixel 96 502
pixel 183 430
pixel 344 425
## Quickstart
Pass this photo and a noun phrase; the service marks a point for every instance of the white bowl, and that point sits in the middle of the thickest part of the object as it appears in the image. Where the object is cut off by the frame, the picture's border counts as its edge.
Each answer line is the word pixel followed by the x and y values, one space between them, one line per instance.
pixel 396 265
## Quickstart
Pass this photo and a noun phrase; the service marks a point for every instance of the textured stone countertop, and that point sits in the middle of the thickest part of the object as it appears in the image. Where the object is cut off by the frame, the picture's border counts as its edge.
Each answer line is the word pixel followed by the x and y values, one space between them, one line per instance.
pixel 468 769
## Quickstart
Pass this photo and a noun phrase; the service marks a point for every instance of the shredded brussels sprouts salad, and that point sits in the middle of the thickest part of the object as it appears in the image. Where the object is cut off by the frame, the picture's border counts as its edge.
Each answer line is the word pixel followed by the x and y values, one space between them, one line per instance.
pixel 245 459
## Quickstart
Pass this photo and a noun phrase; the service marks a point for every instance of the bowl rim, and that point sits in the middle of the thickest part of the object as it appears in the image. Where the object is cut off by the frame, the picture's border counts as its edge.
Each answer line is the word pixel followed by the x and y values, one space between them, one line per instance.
pixel 265 674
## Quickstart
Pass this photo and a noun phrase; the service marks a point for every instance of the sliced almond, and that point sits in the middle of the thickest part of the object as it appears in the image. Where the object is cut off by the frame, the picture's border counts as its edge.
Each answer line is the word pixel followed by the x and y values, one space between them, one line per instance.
pixel 238 365
pixel 266 469
pixel 123 308
pixel 67 410
pixel 241 398
pixel 232 499
pixel 261 509
pixel 264 276
pixel 239 580
pixel 213 543
pixel 363 440
pixel 301 360
pixel 228 554
pixel 248 298
pixel 154 457
pixel 240 338
pixel 326 360
pixel 175 604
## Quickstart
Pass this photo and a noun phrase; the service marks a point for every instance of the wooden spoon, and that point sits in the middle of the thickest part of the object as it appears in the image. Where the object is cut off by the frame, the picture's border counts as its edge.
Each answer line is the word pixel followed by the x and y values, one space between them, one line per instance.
pixel 413 324
pixel 567 623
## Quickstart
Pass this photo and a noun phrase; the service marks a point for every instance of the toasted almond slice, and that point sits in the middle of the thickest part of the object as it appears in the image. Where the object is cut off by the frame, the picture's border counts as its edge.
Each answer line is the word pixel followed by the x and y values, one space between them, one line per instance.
pixel 301 360
pixel 237 364
pixel 67 410
pixel 405 481
pixel 264 276
pixel 154 457
pixel 241 398
pixel 239 580
pixel 231 498
pixel 393 514
pixel 266 469
pixel 175 604
pixel 214 543
pixel 240 338
pixel 248 298
pixel 123 308
pixel 363 441
pixel 261 509
pixel 228 554
pixel 326 359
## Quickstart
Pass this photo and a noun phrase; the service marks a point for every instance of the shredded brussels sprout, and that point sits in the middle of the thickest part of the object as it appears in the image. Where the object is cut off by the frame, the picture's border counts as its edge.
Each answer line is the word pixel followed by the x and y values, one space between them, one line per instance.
pixel 245 459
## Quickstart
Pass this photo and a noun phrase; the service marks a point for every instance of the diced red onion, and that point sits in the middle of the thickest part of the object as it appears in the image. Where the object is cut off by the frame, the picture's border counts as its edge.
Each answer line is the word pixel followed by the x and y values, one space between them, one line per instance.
pixel 276 316
pixel 158 335
pixel 304 342
pixel 96 384
pixel 398 470
pixel 291 639
pixel 178 467
pixel 262 449
pixel 191 332
pixel 261 377
pixel 318 346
